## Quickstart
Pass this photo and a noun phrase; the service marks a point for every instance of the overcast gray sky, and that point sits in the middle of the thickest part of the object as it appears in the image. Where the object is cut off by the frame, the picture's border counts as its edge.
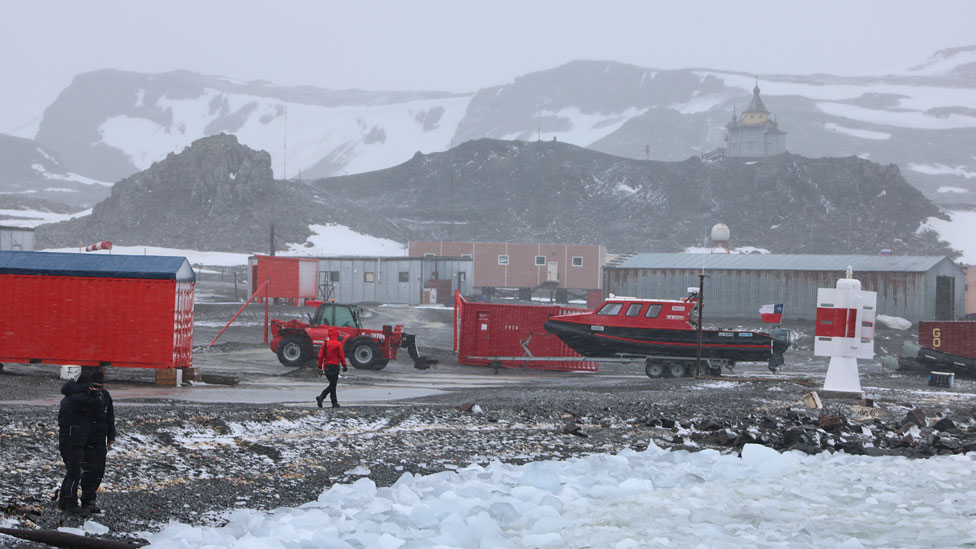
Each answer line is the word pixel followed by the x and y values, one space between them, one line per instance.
pixel 454 45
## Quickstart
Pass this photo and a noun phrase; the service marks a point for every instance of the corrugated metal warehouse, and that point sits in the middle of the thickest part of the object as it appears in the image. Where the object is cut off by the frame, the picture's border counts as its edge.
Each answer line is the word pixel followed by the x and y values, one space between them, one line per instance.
pixel 395 280
pixel 912 287
pixel 16 239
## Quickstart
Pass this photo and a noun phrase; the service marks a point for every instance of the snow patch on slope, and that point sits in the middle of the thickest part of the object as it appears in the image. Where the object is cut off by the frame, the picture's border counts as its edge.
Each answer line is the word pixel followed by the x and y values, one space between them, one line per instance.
pixel 958 232
pixel 347 135
pixel 853 132
pixel 942 169
pixel 585 128
pixel 33 218
pixel 339 240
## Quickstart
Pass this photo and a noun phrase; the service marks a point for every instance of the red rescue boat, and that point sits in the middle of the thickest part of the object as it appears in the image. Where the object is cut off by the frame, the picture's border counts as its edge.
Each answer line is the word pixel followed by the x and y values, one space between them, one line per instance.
pixel 627 326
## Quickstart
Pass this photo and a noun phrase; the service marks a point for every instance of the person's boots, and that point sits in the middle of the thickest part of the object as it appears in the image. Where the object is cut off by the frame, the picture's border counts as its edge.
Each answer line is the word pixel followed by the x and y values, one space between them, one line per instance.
pixel 335 404
pixel 318 400
pixel 70 506
pixel 91 507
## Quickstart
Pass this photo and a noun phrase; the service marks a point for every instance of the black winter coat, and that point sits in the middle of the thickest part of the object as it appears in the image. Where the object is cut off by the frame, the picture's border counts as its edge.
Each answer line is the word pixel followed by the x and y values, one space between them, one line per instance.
pixel 103 418
pixel 74 415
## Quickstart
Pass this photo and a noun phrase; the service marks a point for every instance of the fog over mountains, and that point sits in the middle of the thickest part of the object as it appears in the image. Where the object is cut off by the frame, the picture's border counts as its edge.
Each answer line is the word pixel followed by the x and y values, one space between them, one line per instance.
pixel 111 124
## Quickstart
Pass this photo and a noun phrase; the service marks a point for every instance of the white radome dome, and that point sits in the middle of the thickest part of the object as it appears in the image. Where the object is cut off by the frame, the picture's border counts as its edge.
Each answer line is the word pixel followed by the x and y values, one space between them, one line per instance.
pixel 720 232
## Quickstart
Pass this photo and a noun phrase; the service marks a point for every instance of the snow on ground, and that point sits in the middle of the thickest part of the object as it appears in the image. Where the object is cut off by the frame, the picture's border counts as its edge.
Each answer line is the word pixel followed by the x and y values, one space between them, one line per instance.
pixel 738 250
pixel 584 128
pixel 328 240
pixel 68 176
pixel 853 132
pixel 339 240
pixel 958 232
pixel 345 134
pixel 33 218
pixel 942 169
pixel 632 499
pixel 957 190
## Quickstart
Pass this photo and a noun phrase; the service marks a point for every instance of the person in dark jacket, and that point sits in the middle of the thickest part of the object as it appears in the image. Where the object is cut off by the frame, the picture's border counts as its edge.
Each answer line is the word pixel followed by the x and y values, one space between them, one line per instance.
pixel 100 438
pixel 74 426
pixel 331 357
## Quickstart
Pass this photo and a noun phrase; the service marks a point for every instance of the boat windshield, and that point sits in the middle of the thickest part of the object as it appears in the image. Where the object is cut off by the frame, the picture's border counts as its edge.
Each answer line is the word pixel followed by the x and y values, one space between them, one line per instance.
pixel 610 309
pixel 653 310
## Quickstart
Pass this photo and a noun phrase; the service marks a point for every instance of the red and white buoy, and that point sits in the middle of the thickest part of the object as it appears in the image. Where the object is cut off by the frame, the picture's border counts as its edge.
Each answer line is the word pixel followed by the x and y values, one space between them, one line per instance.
pixel 103 245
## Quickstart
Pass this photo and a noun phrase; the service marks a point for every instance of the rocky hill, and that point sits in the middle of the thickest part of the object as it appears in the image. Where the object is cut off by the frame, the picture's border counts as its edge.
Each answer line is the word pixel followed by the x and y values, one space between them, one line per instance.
pixel 220 195
pixel 548 191
pixel 33 177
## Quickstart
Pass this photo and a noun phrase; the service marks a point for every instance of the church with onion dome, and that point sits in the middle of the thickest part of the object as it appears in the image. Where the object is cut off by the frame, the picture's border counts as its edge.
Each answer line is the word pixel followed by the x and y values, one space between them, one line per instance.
pixel 754 133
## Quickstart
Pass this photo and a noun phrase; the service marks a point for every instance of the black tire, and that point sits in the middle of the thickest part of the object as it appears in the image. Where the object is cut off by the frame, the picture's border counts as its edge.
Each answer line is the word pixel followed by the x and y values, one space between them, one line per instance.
pixel 294 351
pixel 674 369
pixel 364 353
pixel 654 369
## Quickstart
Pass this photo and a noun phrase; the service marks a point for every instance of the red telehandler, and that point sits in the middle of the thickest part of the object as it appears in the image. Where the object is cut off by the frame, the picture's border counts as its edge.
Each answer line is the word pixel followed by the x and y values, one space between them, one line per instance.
pixel 295 341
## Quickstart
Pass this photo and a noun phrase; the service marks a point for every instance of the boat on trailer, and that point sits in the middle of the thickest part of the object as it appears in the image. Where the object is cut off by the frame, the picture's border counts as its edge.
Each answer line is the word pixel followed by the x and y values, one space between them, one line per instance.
pixel 665 333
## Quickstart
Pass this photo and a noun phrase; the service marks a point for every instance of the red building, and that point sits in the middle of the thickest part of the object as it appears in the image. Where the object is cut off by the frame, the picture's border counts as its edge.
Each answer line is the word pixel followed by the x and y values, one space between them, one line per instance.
pixel 96 310
pixel 565 268
pixel 291 278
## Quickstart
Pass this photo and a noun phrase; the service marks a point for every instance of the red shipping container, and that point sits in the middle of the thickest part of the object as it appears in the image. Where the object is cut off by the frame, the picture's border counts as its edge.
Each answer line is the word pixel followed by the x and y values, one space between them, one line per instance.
pixel 954 337
pixel 92 310
pixel 497 329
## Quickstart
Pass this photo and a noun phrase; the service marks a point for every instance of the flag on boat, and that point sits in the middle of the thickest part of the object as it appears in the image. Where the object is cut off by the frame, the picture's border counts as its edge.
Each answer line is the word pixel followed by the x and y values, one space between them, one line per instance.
pixel 771 313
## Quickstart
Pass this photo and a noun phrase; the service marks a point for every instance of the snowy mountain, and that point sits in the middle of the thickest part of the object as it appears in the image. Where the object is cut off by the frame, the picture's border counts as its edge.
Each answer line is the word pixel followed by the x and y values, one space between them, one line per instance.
pixel 219 195
pixel 31 175
pixel 110 124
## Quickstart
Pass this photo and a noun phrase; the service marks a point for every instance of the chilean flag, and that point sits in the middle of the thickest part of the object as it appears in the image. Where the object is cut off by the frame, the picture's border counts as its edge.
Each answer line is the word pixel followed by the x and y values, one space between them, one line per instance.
pixel 771 313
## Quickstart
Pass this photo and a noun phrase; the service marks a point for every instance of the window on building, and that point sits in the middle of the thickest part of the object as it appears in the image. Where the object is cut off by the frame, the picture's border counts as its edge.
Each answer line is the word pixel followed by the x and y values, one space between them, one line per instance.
pixel 540 260
pixel 428 254
pixel 610 309
pixel 333 276
pixel 466 256
pixel 404 276
pixel 503 260
pixel 577 261
pixel 634 309
pixel 653 310
pixel 369 276
pixel 462 276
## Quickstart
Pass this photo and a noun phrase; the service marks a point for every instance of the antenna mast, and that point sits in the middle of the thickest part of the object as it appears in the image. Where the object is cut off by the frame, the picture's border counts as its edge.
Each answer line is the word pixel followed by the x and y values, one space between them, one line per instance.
pixel 284 160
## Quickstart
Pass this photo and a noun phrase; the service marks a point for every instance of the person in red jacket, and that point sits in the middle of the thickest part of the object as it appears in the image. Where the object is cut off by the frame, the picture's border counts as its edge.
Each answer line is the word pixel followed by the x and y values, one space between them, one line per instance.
pixel 331 357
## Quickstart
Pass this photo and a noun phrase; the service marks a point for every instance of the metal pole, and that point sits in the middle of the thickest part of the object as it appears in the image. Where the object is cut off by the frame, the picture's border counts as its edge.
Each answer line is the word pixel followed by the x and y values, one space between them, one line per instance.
pixel 267 284
pixel 701 305
pixel 239 311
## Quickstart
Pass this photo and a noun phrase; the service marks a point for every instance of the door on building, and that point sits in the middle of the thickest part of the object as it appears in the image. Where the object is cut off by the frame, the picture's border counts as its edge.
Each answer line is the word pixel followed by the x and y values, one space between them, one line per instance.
pixel 945 302
pixel 552 272
pixel 482 342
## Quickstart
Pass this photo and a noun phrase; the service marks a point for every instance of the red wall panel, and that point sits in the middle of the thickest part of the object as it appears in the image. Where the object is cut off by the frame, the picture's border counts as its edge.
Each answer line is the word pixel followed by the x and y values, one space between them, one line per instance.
pixel 495 329
pixel 89 320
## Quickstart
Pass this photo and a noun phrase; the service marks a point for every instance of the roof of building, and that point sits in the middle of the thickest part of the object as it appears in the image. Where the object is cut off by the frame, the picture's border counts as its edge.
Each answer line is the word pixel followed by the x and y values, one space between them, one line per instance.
pixel 756 105
pixel 782 262
pixel 11 228
pixel 97 265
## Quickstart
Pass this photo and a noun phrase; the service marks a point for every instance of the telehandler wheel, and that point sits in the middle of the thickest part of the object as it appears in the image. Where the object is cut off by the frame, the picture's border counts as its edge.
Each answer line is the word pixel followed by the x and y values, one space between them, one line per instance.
pixel 654 369
pixel 364 353
pixel 294 351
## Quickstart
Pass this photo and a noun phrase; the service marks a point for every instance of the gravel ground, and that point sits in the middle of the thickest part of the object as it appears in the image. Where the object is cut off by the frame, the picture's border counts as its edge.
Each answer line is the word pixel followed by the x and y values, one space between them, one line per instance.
pixel 196 462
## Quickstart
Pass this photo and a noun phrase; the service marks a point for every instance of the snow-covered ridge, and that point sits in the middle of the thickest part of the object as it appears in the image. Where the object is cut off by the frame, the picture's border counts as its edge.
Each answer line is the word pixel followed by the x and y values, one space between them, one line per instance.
pixel 945 61
pixel 299 135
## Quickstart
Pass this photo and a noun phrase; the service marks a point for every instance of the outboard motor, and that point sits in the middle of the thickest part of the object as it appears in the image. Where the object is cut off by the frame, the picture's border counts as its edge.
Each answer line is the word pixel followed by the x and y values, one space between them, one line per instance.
pixel 782 338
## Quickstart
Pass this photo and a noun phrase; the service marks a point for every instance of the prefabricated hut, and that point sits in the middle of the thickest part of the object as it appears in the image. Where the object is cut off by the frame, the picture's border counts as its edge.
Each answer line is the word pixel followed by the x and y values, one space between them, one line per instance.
pixel 16 239
pixel 96 310
pixel 564 268
pixel 912 287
